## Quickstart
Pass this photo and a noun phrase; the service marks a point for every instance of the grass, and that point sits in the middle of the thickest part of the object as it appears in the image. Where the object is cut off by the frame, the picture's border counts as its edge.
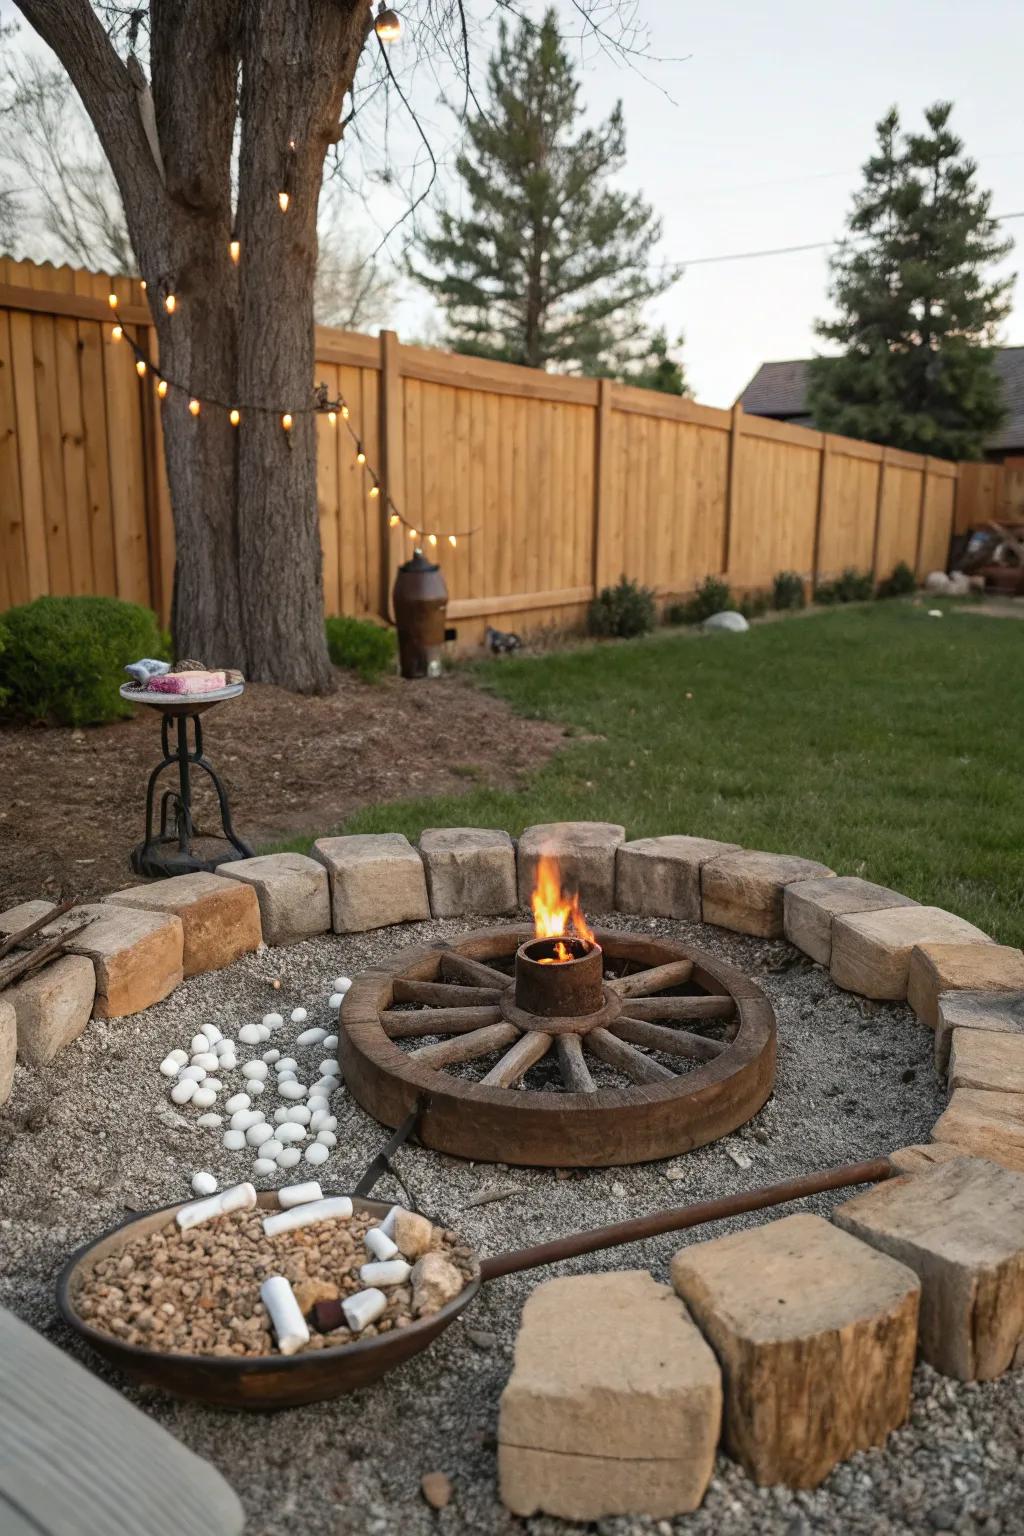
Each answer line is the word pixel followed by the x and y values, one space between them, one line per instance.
pixel 880 741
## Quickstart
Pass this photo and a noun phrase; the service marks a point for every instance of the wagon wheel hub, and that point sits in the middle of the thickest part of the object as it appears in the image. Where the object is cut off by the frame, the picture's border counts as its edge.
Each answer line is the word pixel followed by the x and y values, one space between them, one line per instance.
pixel 634 1050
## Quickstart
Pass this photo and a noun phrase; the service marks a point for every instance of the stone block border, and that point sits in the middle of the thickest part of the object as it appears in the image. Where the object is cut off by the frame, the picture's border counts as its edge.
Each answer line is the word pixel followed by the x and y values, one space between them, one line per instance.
pixel 967 1270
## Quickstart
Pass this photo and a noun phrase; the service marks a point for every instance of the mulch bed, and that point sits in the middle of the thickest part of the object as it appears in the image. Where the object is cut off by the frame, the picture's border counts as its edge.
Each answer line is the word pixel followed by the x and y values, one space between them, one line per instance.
pixel 74 800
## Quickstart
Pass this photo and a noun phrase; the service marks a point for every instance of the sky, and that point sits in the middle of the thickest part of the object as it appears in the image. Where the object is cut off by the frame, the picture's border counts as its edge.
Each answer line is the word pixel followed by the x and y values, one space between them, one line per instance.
pixel 746 128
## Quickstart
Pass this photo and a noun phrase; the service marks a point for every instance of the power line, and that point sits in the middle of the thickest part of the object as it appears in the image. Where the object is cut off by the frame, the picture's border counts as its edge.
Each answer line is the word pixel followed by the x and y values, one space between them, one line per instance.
pixel 789 250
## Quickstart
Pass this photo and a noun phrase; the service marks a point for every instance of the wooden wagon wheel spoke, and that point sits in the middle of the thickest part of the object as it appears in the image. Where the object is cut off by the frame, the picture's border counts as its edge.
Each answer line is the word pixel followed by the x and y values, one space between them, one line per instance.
pixel 440 994
pixel 681 1008
pixel 528 1050
pixel 575 1072
pixel 674 1042
pixel 458 967
pixel 642 983
pixel 479 1042
pixel 437 1021
pixel 625 1058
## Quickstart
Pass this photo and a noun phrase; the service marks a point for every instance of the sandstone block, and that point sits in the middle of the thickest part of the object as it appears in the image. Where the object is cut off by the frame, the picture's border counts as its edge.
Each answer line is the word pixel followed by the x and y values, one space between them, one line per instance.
pixel 1001 1012
pixel 816 1335
pixel 938 968
pixel 982 1058
pixel 137 955
pixel 220 919
pixel 585 851
pixel 744 891
pixel 614 1404
pixel 53 1006
pixel 293 893
pixel 871 950
pixel 809 907
pixel 985 1124
pixel 922 1156
pixel 469 869
pixel 8 1048
pixel 960 1228
pixel 376 879
pixel 660 876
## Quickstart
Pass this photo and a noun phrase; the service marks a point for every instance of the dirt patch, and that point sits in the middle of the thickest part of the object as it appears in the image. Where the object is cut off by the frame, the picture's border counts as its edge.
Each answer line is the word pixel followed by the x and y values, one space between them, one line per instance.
pixel 73 801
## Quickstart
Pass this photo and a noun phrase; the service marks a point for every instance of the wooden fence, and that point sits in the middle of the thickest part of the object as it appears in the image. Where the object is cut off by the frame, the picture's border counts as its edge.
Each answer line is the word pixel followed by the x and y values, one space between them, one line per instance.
pixel 568 482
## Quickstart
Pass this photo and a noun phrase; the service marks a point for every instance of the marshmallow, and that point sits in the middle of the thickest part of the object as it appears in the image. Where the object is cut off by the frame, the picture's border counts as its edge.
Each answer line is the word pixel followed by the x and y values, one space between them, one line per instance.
pixel 256 1070
pixel 387 1226
pixel 311 1037
pixel 203 1183
pixel 298 1015
pixel 288 1158
pixel 237 1101
pixel 390 1272
pixel 240 1197
pixel 380 1244
pixel 317 1153
pixel 306 1215
pixel 286 1317
pixel 363 1308
pixel 299 1194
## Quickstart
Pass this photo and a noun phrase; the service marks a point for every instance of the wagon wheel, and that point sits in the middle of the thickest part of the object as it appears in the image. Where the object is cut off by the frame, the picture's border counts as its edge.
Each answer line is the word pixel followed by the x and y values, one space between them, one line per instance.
pixel 682 1052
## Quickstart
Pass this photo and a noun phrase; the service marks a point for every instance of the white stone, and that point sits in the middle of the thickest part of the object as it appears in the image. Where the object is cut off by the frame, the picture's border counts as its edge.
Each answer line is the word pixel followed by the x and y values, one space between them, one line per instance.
pixel 323 1120
pixel 181 1057
pixel 329 1067
pixel 317 1153
pixel 342 984
pixel 298 1015
pixel 335 1001
pixel 169 1067
pixel 211 1032
pixel 228 1062
pixel 256 1087
pixel 249 1034
pixel 317 1101
pixel 234 1140
pixel 213 1082
pixel 199 1043
pixel 243 1118
pixel 292 1090
pixel 296 1114
pixel 289 1131
pixel 210 1122
pixel 327 1139
pixel 285 1064
pixel 288 1158
pixel 311 1037
pixel 204 1183
pixel 181 1093
pixel 257 1070
pixel 192 1074
pixel 272 1021
pixel 324 1087
pixel 238 1101
pixel 263 1167
pixel 726 622
pixel 256 1135
pixel 208 1060
pixel 331 1043
pixel 204 1097
pixel 271 1148
pixel 271 1056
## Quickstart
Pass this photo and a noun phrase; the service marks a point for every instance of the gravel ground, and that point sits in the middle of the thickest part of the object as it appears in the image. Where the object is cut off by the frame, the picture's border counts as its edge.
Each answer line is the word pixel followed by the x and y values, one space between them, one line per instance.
pixel 95 1135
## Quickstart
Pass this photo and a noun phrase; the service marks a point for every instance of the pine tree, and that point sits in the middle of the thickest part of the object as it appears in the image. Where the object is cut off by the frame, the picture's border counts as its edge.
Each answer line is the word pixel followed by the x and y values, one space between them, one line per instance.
pixel 550 265
pixel 657 369
pixel 918 311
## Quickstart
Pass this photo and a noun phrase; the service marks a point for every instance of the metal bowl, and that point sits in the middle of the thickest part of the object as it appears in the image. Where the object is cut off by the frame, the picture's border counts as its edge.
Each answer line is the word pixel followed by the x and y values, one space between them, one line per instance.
pixel 265 1382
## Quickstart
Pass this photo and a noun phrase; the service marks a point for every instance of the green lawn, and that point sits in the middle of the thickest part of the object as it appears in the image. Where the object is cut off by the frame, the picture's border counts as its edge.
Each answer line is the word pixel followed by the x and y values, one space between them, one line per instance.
pixel 876 739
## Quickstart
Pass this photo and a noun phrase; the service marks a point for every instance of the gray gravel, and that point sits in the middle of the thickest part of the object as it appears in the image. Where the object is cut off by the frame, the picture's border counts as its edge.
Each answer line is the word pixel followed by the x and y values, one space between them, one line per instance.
pixel 95 1135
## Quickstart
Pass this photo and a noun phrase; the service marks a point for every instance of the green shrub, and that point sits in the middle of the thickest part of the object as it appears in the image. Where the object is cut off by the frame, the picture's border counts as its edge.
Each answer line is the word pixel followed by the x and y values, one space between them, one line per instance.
pixel 621 611
pixel 900 583
pixel 852 586
pixel 64 657
pixel 712 596
pixel 364 647
pixel 753 605
pixel 788 591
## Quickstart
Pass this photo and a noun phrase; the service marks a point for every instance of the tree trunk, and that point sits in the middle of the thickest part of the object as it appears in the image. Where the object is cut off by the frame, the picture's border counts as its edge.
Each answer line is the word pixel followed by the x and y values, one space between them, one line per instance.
pixel 248 582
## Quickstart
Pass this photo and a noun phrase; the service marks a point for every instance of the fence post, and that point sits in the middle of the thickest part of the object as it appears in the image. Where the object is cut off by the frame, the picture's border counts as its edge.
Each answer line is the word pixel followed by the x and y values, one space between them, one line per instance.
pixel 826 454
pixel 603 450
pixel 392 419
pixel 922 503
pixel 735 433
pixel 879 496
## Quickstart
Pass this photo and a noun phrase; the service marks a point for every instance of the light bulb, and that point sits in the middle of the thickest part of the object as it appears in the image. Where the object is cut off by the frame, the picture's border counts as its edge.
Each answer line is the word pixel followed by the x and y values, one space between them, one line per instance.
pixel 432 538
pixel 170 303
pixel 234 416
pixel 332 417
pixel 194 406
pixel 282 201
pixel 112 300
pixel 413 534
pixel 452 540
pixel 388 24
pixel 374 490
pixel 394 520
pixel 344 413
pixel 143 284
pixel 140 367
pixel 235 249
pixel 360 455
pixel 286 421
pixel 161 387
pixel 117 333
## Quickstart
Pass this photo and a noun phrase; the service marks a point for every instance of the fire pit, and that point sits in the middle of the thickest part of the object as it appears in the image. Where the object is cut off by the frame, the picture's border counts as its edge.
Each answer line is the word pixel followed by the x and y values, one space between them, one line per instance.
pixel 610 1047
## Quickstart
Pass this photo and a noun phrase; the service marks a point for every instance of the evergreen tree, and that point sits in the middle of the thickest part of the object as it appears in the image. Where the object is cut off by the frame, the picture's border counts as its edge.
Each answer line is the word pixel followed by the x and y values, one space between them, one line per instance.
pixel 550 265
pixel 657 369
pixel 917 309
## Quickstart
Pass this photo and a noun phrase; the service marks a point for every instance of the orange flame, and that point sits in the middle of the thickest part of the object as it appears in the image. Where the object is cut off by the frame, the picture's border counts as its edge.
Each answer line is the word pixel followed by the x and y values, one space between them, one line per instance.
pixel 554 915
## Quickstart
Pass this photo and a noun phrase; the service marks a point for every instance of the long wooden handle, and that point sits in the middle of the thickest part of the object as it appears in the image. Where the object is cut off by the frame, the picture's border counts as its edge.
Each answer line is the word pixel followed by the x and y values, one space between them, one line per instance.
pixel 14 939
pixel 684 1216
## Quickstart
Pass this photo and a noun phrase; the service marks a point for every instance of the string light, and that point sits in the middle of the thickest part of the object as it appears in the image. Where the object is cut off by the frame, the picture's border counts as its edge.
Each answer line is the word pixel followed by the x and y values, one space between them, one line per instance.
pixel 322 405
pixel 143 284
pixel 112 300
pixel 388 24
pixel 170 303
pixel 283 200
pixel 235 250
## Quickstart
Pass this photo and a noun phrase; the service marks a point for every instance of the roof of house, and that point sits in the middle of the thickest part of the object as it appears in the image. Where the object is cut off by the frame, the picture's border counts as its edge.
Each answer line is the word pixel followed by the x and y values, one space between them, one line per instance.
pixel 780 390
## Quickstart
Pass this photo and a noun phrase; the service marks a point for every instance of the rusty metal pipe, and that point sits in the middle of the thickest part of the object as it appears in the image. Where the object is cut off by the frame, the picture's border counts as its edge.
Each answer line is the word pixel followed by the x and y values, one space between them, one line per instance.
pixel 684 1216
